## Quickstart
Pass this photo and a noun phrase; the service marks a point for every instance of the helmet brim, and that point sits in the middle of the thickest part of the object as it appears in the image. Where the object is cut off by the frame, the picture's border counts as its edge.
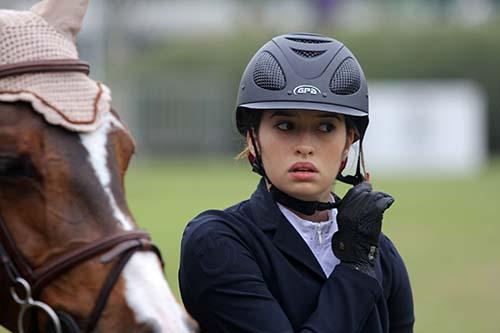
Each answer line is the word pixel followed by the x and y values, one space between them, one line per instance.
pixel 293 105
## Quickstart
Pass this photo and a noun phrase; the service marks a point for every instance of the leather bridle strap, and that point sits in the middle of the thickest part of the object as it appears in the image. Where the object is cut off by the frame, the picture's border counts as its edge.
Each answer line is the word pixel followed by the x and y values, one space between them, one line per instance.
pixel 120 246
pixel 44 66
pixel 10 268
pixel 14 262
pixel 51 270
pixel 114 274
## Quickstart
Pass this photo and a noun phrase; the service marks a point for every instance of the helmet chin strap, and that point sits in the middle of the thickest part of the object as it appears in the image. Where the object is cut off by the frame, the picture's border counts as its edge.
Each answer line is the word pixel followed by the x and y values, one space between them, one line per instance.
pixel 301 206
pixel 358 177
pixel 298 205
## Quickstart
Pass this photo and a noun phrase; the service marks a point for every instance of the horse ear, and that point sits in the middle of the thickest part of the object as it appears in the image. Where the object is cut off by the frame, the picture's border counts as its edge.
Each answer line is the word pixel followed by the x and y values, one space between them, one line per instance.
pixel 64 15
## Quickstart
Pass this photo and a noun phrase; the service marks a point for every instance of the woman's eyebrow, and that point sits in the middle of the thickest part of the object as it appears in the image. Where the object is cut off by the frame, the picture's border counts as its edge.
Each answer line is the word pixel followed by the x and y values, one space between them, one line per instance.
pixel 329 115
pixel 284 113
pixel 295 115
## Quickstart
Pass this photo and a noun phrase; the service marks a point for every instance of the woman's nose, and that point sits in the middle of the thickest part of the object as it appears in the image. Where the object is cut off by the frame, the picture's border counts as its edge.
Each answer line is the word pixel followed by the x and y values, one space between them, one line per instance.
pixel 304 149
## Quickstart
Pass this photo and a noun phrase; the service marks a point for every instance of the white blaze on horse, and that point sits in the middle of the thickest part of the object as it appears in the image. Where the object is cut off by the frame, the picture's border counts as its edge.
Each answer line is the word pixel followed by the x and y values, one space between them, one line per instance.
pixel 71 257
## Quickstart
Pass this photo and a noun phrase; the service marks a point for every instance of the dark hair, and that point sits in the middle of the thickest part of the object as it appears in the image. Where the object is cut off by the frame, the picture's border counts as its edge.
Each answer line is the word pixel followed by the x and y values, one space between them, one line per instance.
pixel 251 119
pixel 350 124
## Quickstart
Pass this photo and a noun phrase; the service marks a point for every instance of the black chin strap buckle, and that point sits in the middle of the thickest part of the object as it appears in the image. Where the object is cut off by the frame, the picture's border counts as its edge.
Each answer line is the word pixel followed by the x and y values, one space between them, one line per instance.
pixel 326 205
pixel 301 206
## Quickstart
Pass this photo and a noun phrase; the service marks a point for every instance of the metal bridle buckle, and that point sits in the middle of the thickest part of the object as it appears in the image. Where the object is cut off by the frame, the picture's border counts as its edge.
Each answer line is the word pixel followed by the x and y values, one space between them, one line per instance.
pixel 28 303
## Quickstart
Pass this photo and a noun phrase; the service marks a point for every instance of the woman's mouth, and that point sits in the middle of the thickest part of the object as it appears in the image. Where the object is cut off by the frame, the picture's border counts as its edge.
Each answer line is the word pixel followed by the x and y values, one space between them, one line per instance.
pixel 303 171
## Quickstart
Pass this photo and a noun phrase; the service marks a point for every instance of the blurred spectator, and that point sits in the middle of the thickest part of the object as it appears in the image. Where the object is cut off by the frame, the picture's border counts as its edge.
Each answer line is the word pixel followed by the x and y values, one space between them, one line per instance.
pixel 324 10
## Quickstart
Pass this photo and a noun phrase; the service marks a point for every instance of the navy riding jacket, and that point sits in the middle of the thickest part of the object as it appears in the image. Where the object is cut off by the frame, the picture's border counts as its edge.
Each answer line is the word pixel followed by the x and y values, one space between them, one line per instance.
pixel 246 269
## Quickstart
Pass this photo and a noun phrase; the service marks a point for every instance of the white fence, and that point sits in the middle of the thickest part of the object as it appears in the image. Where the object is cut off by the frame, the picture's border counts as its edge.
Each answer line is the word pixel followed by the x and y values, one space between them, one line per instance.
pixel 427 127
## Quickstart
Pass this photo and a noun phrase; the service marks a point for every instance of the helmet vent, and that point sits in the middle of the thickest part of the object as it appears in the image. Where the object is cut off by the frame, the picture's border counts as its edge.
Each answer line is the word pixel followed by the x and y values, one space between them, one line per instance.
pixel 347 78
pixel 308 41
pixel 268 73
pixel 308 54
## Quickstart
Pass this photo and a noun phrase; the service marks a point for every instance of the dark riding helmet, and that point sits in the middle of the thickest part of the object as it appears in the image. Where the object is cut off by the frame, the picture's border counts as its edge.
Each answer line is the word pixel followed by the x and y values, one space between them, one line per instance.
pixel 303 72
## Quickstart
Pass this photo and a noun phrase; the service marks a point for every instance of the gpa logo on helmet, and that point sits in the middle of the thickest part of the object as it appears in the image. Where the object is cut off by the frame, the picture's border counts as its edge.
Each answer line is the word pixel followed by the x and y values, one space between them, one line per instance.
pixel 306 89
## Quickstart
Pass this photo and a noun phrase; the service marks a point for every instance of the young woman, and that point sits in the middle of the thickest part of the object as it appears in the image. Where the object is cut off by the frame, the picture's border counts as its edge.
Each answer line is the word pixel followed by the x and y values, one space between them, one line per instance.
pixel 295 257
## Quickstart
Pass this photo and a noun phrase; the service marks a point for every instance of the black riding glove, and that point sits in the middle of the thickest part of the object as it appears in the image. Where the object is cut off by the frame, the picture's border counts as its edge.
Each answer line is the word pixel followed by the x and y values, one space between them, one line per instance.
pixel 359 221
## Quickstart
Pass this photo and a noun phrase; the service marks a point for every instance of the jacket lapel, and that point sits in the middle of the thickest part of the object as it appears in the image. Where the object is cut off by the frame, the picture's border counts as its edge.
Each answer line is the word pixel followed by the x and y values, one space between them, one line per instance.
pixel 284 236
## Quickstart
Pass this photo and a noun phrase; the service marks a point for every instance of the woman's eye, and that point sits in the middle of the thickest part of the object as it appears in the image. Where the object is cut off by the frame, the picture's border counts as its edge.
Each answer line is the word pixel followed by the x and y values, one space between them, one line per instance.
pixel 285 126
pixel 326 127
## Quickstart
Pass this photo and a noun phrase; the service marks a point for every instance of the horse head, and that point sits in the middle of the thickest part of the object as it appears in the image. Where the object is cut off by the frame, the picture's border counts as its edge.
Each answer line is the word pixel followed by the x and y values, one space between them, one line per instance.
pixel 66 232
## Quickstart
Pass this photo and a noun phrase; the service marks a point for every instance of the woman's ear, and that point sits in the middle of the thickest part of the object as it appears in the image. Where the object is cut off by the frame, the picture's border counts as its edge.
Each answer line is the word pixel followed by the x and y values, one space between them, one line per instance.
pixel 64 15
pixel 250 146
pixel 351 135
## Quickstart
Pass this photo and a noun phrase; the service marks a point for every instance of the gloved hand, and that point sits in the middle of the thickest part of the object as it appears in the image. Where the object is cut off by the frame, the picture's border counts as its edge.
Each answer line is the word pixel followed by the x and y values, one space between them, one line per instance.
pixel 359 221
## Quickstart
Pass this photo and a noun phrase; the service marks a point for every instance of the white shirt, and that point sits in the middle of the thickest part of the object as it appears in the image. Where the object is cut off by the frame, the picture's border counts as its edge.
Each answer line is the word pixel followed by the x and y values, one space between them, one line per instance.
pixel 317 235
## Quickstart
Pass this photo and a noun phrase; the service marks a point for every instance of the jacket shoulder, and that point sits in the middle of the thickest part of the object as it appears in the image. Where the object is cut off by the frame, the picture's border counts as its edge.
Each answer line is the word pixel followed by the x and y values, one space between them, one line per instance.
pixel 216 222
pixel 207 222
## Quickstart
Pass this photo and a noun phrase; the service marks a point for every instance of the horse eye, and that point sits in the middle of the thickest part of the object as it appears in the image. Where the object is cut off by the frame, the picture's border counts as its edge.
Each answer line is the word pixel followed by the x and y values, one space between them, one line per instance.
pixel 16 166
pixel 8 164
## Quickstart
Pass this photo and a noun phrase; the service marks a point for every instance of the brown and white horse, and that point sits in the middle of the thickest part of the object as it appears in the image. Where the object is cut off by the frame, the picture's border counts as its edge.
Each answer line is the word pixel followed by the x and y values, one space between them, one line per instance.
pixel 60 191
pixel 64 220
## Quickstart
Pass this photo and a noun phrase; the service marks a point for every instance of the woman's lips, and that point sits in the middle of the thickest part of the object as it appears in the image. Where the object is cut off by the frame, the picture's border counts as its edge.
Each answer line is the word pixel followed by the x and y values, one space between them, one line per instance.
pixel 303 171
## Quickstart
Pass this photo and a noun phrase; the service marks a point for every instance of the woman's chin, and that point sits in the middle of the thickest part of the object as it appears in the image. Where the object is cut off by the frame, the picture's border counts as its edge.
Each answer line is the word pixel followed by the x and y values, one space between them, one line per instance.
pixel 306 191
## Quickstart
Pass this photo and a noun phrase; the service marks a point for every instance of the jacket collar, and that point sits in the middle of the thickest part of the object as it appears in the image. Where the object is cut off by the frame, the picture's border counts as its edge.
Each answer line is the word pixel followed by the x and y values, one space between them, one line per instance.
pixel 268 217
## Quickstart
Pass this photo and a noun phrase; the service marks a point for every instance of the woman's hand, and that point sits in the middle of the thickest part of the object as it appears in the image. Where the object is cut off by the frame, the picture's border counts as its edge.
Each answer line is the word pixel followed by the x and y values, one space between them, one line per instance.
pixel 359 221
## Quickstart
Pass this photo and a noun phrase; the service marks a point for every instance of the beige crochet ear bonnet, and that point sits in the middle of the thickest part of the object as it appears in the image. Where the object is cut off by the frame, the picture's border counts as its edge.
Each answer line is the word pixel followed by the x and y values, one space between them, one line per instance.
pixel 68 98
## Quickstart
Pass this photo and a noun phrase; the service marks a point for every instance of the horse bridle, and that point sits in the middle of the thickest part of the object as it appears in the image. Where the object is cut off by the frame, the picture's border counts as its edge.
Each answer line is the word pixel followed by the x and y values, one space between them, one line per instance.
pixel 118 247
pixel 31 281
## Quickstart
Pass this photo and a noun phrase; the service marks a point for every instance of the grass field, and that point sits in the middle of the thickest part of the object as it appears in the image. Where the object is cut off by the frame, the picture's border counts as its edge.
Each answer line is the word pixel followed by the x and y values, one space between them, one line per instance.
pixel 447 230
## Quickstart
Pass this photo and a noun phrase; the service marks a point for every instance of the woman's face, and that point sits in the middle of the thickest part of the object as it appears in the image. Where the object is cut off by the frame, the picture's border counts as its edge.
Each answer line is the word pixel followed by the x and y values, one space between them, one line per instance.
pixel 302 150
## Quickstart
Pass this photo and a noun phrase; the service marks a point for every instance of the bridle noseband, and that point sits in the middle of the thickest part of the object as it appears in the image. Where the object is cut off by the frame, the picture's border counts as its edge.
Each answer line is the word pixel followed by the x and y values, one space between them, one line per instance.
pixel 118 248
